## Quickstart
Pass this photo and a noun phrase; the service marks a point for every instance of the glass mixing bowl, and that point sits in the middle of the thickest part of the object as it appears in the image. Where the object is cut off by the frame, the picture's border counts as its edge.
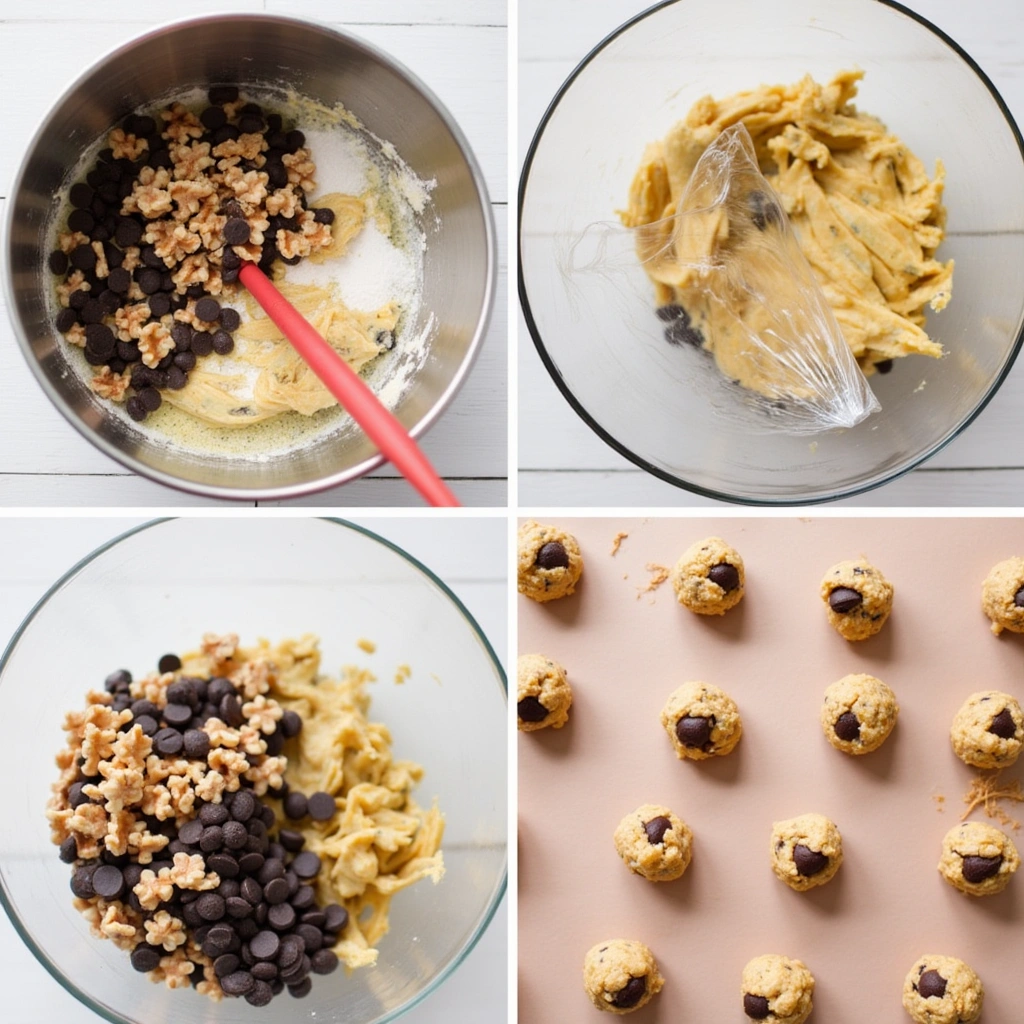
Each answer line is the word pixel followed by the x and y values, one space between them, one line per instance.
pixel 602 343
pixel 159 588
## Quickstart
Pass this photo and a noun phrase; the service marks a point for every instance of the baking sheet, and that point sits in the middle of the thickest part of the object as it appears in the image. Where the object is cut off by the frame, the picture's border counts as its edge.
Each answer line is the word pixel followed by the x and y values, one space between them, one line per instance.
pixel 774 653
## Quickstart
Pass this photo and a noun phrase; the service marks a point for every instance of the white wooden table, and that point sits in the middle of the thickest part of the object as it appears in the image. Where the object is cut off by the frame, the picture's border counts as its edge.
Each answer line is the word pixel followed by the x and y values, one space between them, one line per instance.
pixel 562 462
pixel 468 554
pixel 458 47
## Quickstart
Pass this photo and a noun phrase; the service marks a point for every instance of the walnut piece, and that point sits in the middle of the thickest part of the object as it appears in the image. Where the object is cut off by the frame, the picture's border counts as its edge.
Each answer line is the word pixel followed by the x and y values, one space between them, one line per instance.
pixel 189 872
pixel 247 147
pixel 155 342
pixel 75 282
pixel 249 186
pixel 164 930
pixel 181 124
pixel 263 714
pixel 300 169
pixel 106 383
pixel 154 889
pixel 126 146
pixel 130 320
pixel 171 242
pixel 76 335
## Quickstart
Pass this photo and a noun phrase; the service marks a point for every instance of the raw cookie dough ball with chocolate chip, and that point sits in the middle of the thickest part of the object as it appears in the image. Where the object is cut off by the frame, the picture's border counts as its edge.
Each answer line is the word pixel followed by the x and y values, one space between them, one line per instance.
pixel 543 693
pixel 806 851
pixel 621 975
pixel 550 562
pixel 776 988
pixel 709 577
pixel 1002 596
pixel 858 599
pixel 978 859
pixel 654 843
pixel 701 721
pixel 858 713
pixel 943 990
pixel 988 731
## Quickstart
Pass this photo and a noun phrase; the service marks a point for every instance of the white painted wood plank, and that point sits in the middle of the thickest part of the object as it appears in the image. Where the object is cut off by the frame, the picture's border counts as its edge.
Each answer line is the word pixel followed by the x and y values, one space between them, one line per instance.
pixel 118 489
pixel 553 38
pixel 380 492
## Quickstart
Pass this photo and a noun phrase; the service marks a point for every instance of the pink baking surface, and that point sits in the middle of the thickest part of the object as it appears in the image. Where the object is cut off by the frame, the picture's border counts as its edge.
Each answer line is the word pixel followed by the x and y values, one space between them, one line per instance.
pixel 775 654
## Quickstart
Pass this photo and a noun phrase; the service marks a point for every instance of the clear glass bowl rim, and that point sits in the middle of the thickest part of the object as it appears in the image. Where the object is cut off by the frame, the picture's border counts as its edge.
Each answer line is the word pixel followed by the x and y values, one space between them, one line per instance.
pixel 639 460
pixel 499 892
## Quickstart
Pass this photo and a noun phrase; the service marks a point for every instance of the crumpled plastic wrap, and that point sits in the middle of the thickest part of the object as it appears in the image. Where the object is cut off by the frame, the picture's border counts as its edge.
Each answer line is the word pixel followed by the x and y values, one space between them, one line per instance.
pixel 741 290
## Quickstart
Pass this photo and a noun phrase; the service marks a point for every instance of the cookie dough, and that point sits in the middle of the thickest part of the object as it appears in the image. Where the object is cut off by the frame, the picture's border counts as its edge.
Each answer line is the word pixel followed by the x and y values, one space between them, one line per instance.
pixel 621 975
pixel 1002 596
pixel 778 989
pixel 550 562
pixel 988 731
pixel 806 851
pixel 654 843
pixel 861 205
pixel 858 713
pixel 701 721
pixel 543 694
pixel 709 577
pixel 978 859
pixel 858 599
pixel 943 990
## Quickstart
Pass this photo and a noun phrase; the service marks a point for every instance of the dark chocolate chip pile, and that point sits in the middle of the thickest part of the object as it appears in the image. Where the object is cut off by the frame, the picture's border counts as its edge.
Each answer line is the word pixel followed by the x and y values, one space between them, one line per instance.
pixel 262 925
pixel 97 203
pixel 530 709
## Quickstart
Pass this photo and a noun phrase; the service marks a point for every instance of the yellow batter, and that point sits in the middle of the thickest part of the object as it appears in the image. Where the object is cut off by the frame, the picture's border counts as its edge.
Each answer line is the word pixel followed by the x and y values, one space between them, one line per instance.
pixel 863 209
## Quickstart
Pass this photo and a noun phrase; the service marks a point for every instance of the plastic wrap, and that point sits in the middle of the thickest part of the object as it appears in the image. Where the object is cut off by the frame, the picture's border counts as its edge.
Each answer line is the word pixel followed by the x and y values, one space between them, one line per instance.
pixel 730 281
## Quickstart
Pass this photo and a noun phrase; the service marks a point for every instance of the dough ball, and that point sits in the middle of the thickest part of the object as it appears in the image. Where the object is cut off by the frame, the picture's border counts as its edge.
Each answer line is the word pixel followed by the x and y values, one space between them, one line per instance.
pixel 978 859
pixel 709 577
pixel 550 562
pixel 654 843
pixel 943 990
pixel 858 599
pixel 806 851
pixel 543 693
pixel 701 721
pixel 988 731
pixel 621 975
pixel 1002 596
pixel 858 714
pixel 776 988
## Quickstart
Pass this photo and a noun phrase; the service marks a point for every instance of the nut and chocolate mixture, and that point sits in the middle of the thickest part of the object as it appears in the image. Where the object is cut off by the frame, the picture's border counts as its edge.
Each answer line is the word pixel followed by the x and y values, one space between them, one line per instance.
pixel 192 851
pixel 161 225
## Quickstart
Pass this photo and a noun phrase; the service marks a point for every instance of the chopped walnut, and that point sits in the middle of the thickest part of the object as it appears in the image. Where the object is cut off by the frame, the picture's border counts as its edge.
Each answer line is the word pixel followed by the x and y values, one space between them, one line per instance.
pixel 181 124
pixel 121 787
pixel 189 872
pixel 75 282
pixel 208 224
pixel 154 889
pixel 268 774
pixel 230 763
pixel 248 147
pixel 142 844
pixel 174 970
pixel 164 930
pixel 284 202
pixel 219 648
pixel 119 830
pixel 253 677
pixel 89 820
pixel 155 342
pixel 171 242
pixel 310 237
pixel 126 146
pixel 211 787
pixel 108 384
pixel 69 240
pixel 258 224
pixel 101 269
pixel 192 270
pixel 132 258
pixel 98 743
pixel 130 320
pixel 249 187
pixel 148 200
pixel 183 798
pixel 156 802
pixel 116 925
pixel 220 733
pixel 190 161
pixel 132 748
pixel 300 169
pixel 76 335
pixel 250 741
pixel 263 714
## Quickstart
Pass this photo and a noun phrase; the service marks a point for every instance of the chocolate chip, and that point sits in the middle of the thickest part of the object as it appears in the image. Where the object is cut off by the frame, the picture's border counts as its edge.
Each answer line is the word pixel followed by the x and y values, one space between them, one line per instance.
pixel 325 961
pixel 69 850
pixel 223 343
pixel 243 807
pixel 276 891
pixel 292 840
pixel 251 890
pixel 168 742
pixel 265 945
pixel 224 864
pixel 212 839
pixel 725 575
pixel 108 882
pixel 81 882
pixel 169 663
pixel 230 320
pixel 145 958
pixel 197 743
pixel 844 599
pixel 272 868
pixel 213 814
pixel 260 994
pixel 1018 598
pixel 695 731
pixel 311 936
pixel 680 332
pixel 306 865
pixel 66 319
pixel 202 343
pixel 763 210
pixel 235 835
pixel 210 906
pixel 530 709
pixel 977 869
pixel 323 215
pixel 220 94
pixel 231 710
pixel 847 727
pixel 321 806
pixel 656 829
pixel 931 984
pixel 237 983
pixel 1003 725
pixel 755 1007
pixel 303 898
pixel 236 231
pixel 264 971
pixel 75 795
pixel 281 916
pixel 631 994
pixel 336 917
pixel 208 309
pixel 58 262
pixel 552 556
pixel 226 964
pixel 149 280
pixel 128 232
pixel 100 339
pixel 808 862
pixel 191 832
pixel 302 989
pixel 177 715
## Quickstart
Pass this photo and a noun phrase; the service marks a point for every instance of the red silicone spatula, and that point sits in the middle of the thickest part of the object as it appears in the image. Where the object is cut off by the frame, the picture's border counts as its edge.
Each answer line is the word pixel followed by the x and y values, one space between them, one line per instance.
pixel 355 397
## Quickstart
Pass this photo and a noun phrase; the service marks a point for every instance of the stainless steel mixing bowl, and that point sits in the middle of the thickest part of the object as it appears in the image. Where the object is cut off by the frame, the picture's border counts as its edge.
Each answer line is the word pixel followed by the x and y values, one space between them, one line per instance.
pixel 329 67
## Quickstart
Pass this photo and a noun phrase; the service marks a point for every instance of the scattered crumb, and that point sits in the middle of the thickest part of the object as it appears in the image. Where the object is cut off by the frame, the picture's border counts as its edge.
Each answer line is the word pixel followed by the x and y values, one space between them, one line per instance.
pixel 366 645
pixel 658 576
pixel 987 791
pixel 812 447
pixel 625 575
pixel 940 802
pixel 437 679
pixel 402 673
pixel 920 387
pixel 617 542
